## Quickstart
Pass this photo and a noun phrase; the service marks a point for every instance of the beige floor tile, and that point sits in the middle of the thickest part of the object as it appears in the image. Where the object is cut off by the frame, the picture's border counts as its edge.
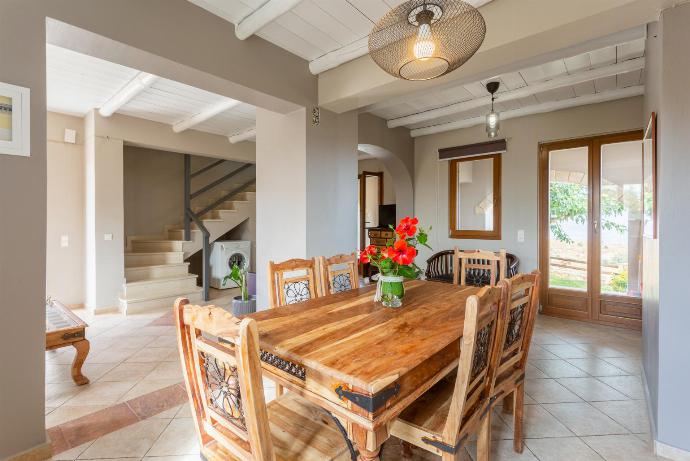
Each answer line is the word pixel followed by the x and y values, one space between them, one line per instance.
pixel 539 423
pixel 59 393
pixel 185 411
pixel 599 350
pixel 62 373
pixel 537 352
pixel 169 413
pixel 129 371
pixel 549 391
pixel 179 438
pixel 64 356
pixel 569 448
pixel 69 412
pixel 532 372
pixel 597 367
pixel 195 457
pixel 545 338
pixel 632 414
pixel 629 365
pixel 47 410
pixel 129 442
pixel 157 331
pixel 621 448
pixel 503 451
pixel 146 386
pixel 135 342
pixel 628 385
pixel 591 389
pixel 583 419
pixel 151 354
pixel 101 393
pixel 558 368
pixel 111 355
pixel 164 341
pixel 72 453
pixel 166 370
pixel 566 351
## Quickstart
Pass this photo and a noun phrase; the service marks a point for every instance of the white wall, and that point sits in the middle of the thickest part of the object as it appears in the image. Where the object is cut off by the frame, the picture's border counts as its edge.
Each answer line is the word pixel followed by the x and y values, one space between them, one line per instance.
pixel 65 211
pixel 519 172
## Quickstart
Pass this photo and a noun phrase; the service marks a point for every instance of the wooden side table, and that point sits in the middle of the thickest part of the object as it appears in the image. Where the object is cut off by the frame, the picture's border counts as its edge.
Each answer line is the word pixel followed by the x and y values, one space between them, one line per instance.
pixel 63 328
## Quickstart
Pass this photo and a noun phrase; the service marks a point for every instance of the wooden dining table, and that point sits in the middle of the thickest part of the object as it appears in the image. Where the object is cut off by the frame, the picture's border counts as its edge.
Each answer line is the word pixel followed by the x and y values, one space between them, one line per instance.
pixel 363 362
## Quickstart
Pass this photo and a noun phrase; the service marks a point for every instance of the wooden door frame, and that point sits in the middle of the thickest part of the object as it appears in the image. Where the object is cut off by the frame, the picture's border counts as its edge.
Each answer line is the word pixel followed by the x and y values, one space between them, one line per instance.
pixel 363 200
pixel 594 298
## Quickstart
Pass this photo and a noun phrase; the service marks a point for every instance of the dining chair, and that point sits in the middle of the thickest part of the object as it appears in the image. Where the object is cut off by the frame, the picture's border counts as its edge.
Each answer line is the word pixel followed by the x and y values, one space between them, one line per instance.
pixel 520 315
pixel 338 273
pixel 222 371
pixel 292 281
pixel 470 266
pixel 444 417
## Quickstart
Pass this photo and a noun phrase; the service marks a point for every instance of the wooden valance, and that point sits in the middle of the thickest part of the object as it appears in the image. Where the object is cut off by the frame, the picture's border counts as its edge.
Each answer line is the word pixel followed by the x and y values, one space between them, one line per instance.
pixel 470 150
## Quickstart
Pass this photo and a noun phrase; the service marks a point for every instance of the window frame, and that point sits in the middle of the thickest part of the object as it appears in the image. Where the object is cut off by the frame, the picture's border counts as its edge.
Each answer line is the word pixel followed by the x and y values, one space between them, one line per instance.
pixel 453 232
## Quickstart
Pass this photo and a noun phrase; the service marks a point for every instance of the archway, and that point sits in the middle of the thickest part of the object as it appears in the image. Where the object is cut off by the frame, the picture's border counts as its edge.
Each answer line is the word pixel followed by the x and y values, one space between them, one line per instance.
pixel 402 177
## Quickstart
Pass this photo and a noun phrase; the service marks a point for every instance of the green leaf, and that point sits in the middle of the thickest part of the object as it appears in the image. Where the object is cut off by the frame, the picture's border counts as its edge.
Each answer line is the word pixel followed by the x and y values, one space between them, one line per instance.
pixel 385 265
pixel 408 272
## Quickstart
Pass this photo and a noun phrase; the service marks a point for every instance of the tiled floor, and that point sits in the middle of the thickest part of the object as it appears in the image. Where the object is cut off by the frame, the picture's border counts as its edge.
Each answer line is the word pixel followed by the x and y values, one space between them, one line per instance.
pixel 584 395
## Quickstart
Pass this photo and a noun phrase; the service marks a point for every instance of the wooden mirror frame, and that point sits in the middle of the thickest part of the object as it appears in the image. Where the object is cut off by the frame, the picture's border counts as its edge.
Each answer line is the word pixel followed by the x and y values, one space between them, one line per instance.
pixel 453 232
pixel 650 133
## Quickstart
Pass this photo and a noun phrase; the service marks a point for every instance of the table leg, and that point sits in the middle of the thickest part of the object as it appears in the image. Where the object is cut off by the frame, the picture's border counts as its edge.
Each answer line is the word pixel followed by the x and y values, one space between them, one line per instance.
pixel 82 348
pixel 369 442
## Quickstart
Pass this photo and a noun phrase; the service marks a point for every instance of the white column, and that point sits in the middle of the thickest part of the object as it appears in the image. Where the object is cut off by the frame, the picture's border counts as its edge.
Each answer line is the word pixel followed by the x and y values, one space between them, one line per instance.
pixel 104 218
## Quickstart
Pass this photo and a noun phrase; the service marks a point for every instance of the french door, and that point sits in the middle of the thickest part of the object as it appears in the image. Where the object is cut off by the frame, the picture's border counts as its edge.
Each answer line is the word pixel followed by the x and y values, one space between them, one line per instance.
pixel 590 245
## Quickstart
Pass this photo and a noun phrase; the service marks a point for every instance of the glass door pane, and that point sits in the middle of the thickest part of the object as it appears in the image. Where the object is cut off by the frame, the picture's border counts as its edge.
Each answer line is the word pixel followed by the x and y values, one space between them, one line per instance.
pixel 620 226
pixel 568 218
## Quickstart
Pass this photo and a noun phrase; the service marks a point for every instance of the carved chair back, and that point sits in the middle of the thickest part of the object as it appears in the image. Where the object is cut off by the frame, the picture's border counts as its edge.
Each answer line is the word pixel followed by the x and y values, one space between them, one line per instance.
pixel 292 281
pixel 440 266
pixel 470 266
pixel 338 273
pixel 479 357
pixel 521 312
pixel 223 378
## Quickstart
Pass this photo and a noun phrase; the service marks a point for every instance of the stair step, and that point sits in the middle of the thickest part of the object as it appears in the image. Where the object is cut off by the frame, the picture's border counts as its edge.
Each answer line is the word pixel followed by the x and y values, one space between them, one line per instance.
pixel 153 258
pixel 152 288
pixel 156 271
pixel 146 304
pixel 149 246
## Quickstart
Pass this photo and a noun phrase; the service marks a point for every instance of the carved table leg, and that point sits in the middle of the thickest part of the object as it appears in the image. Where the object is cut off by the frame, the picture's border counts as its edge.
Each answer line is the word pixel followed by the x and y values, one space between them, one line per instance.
pixel 369 442
pixel 82 348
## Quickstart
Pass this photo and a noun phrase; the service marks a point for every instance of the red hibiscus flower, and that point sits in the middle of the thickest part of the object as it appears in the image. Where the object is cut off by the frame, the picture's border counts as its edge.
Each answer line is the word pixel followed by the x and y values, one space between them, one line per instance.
pixel 365 254
pixel 407 227
pixel 401 253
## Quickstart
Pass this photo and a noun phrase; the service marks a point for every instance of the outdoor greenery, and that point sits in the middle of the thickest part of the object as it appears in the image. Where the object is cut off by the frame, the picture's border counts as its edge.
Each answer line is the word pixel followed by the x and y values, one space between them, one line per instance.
pixel 568 202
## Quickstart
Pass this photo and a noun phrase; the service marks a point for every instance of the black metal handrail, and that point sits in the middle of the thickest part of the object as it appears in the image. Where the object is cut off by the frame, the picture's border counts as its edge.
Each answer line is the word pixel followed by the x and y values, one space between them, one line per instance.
pixel 190 216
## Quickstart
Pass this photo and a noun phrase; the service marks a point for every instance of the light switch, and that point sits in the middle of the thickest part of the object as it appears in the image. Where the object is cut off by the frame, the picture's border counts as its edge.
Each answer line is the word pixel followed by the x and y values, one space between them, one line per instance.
pixel 107 236
pixel 521 236
pixel 64 241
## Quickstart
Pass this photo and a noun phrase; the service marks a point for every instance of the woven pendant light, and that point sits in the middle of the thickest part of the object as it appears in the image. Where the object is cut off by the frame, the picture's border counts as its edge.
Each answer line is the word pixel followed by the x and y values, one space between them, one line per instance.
pixel 424 39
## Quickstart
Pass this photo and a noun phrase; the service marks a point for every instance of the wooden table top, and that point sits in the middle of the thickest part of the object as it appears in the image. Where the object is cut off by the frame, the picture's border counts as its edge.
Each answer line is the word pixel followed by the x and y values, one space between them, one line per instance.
pixel 351 338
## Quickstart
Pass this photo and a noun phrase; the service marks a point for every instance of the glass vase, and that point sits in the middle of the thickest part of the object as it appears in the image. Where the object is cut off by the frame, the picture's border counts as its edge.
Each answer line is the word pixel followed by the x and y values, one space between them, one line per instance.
pixel 392 290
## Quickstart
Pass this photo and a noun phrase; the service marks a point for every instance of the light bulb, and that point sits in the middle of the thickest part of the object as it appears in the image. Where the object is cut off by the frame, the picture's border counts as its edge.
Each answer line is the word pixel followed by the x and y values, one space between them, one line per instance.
pixel 424 46
pixel 493 123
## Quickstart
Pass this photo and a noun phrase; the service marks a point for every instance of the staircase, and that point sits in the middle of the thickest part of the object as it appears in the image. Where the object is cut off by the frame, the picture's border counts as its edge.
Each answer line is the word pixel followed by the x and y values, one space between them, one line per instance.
pixel 155 269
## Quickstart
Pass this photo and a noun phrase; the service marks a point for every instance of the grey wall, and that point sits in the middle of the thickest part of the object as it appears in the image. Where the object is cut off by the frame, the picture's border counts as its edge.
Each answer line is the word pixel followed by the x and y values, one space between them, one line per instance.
pixel 23 238
pixel 520 197
pixel 673 418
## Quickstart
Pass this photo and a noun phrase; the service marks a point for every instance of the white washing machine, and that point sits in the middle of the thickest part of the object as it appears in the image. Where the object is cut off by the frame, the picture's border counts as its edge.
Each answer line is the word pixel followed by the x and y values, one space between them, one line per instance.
pixel 223 255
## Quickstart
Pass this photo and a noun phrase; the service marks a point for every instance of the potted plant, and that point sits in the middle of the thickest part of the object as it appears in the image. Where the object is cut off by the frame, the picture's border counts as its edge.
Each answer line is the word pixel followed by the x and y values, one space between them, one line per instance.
pixel 243 304
pixel 396 262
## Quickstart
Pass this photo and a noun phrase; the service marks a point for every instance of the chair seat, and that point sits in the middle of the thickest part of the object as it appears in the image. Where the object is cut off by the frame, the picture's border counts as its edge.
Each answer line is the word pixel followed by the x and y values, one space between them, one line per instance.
pixel 299 430
pixel 427 416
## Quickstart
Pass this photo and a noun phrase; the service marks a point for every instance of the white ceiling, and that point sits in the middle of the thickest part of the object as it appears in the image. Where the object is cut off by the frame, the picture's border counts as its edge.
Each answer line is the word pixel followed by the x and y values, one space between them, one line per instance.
pixel 314 28
pixel 444 97
pixel 77 83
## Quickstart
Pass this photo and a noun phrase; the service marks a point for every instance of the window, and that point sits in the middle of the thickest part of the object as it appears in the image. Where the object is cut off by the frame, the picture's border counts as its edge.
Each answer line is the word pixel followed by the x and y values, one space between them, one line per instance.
pixel 475 197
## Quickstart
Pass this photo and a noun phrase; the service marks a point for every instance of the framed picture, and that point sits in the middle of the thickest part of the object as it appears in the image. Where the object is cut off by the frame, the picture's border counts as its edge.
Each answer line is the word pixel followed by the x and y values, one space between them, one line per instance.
pixel 649 196
pixel 14 120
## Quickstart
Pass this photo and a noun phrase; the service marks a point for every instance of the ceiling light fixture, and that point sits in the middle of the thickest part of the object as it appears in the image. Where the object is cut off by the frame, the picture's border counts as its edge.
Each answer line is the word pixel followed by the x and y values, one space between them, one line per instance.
pixel 493 119
pixel 424 39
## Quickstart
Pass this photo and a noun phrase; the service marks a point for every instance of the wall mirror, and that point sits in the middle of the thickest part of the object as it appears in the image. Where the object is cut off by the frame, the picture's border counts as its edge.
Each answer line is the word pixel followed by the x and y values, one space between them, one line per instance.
pixel 649 179
pixel 475 197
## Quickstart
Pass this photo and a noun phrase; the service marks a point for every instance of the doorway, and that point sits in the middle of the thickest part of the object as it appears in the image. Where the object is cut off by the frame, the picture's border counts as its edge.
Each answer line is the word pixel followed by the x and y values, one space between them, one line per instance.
pixel 370 197
pixel 591 228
